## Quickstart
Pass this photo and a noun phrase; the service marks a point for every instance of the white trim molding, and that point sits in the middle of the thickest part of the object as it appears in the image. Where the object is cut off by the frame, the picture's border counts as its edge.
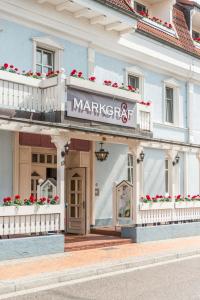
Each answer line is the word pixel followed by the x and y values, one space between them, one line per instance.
pixel 172 83
pixel 48 43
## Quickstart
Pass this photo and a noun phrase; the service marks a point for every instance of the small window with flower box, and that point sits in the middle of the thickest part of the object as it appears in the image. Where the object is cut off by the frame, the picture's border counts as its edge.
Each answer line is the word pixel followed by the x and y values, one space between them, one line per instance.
pixel 140 8
pixel 47 55
pixel 196 36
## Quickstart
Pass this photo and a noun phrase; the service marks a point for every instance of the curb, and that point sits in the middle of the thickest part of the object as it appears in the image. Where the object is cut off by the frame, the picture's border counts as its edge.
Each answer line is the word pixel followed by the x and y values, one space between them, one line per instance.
pixel 23 284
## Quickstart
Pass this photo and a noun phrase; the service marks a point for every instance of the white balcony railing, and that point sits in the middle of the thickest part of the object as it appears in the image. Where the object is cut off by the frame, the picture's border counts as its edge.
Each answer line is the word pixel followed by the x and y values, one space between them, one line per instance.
pixel 168 212
pixel 21 93
pixel 30 219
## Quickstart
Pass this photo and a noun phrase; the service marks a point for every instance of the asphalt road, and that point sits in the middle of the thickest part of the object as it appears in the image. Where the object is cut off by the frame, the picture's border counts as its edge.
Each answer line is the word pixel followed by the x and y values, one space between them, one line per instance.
pixel 173 281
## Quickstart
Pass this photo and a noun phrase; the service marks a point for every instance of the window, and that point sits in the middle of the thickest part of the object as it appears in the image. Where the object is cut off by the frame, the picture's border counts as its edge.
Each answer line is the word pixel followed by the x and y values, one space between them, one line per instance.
pixel 169 104
pixel 44 158
pixel 130 168
pixel 140 7
pixel 166 176
pixel 34 183
pixel 195 34
pixel 134 81
pixel 44 60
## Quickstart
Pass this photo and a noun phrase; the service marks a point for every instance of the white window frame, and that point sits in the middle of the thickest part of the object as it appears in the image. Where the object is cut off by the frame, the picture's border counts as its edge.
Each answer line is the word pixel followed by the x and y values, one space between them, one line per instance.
pixel 130 168
pixel 42 65
pixel 172 83
pixel 135 71
pixel 49 44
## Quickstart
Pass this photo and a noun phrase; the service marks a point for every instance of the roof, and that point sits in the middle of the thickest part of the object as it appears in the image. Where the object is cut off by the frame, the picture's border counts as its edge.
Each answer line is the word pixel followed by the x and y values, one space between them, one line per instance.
pixel 122 4
pixel 184 40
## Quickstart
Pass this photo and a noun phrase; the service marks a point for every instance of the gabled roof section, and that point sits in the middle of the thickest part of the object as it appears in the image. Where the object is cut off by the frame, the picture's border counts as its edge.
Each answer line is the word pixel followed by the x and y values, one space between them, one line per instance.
pixel 183 41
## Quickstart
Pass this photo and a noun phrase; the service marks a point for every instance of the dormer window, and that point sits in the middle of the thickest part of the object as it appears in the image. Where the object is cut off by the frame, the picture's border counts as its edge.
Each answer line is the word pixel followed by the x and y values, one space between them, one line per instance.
pixel 140 8
pixel 196 36
pixel 195 26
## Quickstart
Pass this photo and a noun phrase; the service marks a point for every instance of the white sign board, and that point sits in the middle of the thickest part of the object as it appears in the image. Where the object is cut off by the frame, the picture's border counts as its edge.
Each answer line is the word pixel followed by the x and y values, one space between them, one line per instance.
pixel 84 105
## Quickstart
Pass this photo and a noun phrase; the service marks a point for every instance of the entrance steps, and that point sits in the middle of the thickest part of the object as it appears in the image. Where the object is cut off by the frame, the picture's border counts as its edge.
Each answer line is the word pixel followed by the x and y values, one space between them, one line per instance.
pixel 110 231
pixel 92 241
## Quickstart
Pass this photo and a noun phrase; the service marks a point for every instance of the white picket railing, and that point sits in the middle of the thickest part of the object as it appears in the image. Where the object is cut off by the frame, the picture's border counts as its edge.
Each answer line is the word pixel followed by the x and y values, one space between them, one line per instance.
pixel 168 212
pixel 145 120
pixel 28 94
pixel 30 219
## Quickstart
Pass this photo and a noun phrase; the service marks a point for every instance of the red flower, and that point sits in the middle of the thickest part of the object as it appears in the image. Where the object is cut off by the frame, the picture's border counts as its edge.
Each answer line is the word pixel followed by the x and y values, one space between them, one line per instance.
pixel 80 74
pixel 48 200
pixel 17 197
pixel 16 69
pixel 11 66
pixel 56 198
pixel 32 199
pixel 115 84
pixel 38 74
pixel 6 65
pixel 130 87
pixel 73 72
pixel 92 78
pixel 107 82
pixel 148 197
pixel 148 103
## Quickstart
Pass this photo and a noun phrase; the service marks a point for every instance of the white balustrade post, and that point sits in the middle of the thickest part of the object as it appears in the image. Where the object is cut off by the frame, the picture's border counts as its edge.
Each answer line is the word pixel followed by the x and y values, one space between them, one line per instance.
pixel 60 142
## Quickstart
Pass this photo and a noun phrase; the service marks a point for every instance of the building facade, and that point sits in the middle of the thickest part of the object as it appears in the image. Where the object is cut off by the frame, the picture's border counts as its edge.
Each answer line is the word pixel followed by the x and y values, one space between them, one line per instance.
pixel 75 74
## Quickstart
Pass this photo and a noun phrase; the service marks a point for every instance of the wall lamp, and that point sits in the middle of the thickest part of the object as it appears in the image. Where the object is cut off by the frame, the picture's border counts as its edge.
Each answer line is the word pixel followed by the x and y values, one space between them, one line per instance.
pixel 66 150
pixel 101 154
pixel 176 160
pixel 142 155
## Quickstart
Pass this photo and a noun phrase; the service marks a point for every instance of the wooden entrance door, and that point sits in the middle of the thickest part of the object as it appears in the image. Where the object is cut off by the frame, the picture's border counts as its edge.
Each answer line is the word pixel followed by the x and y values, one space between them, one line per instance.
pixel 76 209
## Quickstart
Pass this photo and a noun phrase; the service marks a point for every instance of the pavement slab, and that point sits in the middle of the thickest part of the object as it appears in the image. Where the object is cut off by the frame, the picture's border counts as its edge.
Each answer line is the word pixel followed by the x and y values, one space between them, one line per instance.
pixel 27 273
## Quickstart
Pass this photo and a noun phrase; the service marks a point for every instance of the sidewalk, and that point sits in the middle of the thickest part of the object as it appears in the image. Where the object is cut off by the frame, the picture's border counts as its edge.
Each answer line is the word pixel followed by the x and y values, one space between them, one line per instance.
pixel 27 273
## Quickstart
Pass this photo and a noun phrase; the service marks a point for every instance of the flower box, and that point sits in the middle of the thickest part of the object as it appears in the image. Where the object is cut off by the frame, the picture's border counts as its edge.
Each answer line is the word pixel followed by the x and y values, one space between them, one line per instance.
pixel 156 205
pixel 159 26
pixel 25 210
pixel 20 79
pixel 102 89
pixel 187 204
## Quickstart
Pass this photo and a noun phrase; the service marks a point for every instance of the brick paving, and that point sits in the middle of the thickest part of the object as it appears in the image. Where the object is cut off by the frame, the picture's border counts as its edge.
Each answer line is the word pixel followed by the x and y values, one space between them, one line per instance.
pixel 18 269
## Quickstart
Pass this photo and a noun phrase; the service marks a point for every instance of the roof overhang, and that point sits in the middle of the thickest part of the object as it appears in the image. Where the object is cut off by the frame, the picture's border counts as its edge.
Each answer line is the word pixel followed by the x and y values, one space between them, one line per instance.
pixel 96 13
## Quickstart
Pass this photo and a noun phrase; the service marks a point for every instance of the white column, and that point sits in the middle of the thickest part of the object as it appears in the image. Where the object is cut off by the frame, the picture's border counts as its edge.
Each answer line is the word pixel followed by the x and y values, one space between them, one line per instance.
pixel 198 157
pixel 93 182
pixel 91 60
pixel 60 142
pixel 136 149
pixel 190 104
pixel 16 163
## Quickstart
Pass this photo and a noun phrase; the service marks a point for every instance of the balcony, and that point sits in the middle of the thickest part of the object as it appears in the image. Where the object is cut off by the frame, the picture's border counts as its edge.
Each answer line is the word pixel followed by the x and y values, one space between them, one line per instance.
pixel 41 99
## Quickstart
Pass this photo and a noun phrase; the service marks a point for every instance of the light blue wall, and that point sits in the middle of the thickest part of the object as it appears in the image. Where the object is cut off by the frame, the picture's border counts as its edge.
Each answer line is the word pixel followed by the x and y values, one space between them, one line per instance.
pixel 193 174
pixel 109 68
pixel 16 48
pixel 154 172
pixel 111 171
pixel 6 164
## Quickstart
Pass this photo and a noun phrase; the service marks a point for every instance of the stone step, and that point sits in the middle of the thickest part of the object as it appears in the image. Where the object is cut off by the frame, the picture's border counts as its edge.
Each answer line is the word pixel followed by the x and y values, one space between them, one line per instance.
pixel 106 231
pixel 93 243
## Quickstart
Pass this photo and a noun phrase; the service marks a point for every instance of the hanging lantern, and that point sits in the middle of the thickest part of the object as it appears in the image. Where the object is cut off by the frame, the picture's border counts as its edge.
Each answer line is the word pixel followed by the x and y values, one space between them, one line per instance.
pixel 101 154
